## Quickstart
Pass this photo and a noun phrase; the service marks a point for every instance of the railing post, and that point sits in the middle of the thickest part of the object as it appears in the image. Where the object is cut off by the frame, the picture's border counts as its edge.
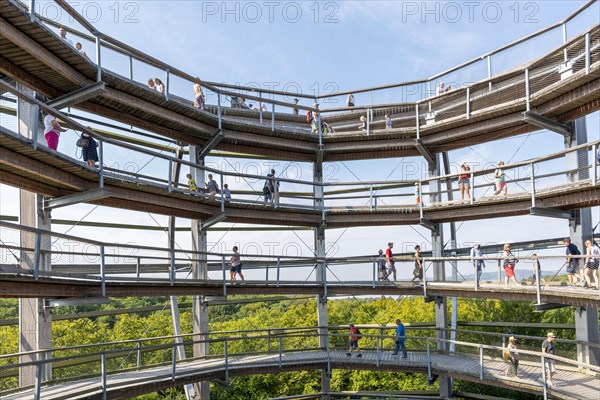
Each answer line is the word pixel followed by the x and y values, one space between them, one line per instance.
pixel 32 10
pixel 170 178
pixel 481 362
pixel 499 270
pixel 368 121
pixel 544 377
pixel 130 67
pixel 273 117
pixel 172 268
pixel 35 127
pixel 102 271
pixel 475 263
pixel 424 279
pixel 226 361
pixel 532 185
pixel 538 280
pixel 370 198
pixel 267 274
pixel 374 273
pixel 137 268
pixel 587 53
pixel 167 76
pixel 421 200
pixel 173 363
pixel 429 360
pixel 268 340
pixel 38 382
pixel 527 94
pixel 473 186
pixel 594 164
pixel 98 59
pixel 260 111
pixel 224 276
pixel 103 372
pixel 489 65
pixel 222 196
pixel 219 111
pixel 280 349
pixel 36 256
pixel 468 102
pixel 275 193
pixel 138 361
pixel 564 26
pixel 320 131
pixel 101 163
pixel 417 120
pixel 278 269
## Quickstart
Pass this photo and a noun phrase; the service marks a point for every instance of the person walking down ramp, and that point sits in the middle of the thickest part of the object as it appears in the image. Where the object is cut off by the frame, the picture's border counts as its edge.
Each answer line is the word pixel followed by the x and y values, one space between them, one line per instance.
pixel 400 339
pixel 354 338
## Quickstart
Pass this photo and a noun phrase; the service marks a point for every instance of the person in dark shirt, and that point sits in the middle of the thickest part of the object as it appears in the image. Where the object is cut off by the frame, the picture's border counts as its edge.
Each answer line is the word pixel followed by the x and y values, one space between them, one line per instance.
pixel 548 348
pixel 572 263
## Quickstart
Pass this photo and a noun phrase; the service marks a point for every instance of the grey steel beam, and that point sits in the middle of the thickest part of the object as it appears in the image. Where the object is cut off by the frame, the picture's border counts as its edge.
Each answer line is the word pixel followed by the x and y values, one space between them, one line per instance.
pixel 429 156
pixel 550 212
pixel 428 224
pixel 211 144
pixel 546 123
pixel 549 306
pixel 213 220
pixel 84 197
pixel 77 301
pixel 78 96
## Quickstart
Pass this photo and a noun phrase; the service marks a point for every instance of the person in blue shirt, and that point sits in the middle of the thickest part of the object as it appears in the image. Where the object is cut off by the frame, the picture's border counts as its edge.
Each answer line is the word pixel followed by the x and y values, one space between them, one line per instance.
pixel 400 339
pixel 476 254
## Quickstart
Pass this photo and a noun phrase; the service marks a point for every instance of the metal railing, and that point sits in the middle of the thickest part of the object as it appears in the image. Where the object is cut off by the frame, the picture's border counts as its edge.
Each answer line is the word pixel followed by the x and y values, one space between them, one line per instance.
pixel 102 360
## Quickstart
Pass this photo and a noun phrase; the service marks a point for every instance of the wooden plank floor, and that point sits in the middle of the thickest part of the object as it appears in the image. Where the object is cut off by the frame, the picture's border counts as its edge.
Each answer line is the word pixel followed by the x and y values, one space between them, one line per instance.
pixel 568 384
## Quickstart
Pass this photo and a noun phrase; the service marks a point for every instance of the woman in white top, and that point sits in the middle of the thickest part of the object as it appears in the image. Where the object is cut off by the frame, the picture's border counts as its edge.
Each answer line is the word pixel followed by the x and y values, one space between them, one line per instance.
pixel 52 131
pixel 159 86
pixel 350 100
pixel 591 263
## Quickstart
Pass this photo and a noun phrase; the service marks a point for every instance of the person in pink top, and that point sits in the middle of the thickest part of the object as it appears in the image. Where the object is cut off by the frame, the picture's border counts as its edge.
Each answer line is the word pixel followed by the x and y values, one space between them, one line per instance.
pixel 52 131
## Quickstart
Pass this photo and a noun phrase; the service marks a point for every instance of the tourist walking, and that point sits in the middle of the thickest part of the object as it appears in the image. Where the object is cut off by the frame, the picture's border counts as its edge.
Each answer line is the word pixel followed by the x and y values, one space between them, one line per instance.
pixel 199 97
pixel 52 131
pixel 389 261
pixel 295 110
pixel 381 269
pixel 388 122
pixel 478 263
pixel 509 265
pixel 354 338
pixel 236 265
pixel 513 357
pixel 418 271
pixel 591 263
pixel 192 186
pixel 226 192
pixel 400 339
pixel 313 119
pixel 212 187
pixel 464 184
pixel 548 348
pixel 89 152
pixel 350 100
pixel 417 193
pixel 572 263
pixel 500 180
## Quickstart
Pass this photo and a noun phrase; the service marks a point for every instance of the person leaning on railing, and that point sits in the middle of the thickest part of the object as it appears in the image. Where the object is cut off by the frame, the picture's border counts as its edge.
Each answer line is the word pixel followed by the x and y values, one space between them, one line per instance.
pixel 199 97
pixel 509 265
pixel 52 131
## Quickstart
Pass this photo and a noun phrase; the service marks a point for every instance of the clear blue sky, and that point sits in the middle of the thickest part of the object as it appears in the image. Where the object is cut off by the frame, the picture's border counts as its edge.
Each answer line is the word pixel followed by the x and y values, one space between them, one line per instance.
pixel 329 46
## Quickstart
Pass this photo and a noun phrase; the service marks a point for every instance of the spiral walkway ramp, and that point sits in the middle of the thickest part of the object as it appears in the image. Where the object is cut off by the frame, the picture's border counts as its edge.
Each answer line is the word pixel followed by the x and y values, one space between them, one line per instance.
pixel 40 72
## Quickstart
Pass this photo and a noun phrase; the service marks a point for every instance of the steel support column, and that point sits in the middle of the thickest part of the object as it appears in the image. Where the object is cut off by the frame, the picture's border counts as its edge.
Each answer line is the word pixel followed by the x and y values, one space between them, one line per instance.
pixel 439 274
pixel 454 265
pixel 586 329
pixel 35 321
pixel 199 271
pixel 321 276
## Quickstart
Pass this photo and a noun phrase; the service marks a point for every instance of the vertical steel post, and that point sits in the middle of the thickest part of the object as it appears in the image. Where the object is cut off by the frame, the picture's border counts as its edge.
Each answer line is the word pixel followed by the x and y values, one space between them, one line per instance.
pixel 103 271
pixel 544 377
pixel 429 360
pixel 278 269
pixel 424 279
pixel 173 363
pixel 138 361
pixel 368 121
pixel 167 76
pixel 222 196
pixel 35 126
pixel 38 382
pixel 538 280
pixel 374 273
pixel 219 111
pixel 226 355
pixel 468 102
pixel 98 59
pixel 594 164
pixel 172 269
pixel 170 178
pixel 370 198
pixel 527 95
pixel 564 26
pixel 417 120
pixel 267 274
pixel 587 53
pixel 532 185
pixel 103 372
pixel 473 186
pixel 421 200
pixel 481 362
pixel 260 111
pixel 224 276
pixel 273 117
pixel 489 66
pixel 499 270
pixel 36 256
pixel 101 163
pixel 32 10
pixel 130 67
pixel 137 268
pixel 280 349
pixel 429 90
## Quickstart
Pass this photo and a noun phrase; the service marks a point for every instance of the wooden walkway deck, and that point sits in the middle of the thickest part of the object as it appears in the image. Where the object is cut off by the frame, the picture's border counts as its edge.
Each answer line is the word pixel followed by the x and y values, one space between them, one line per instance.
pixel 568 384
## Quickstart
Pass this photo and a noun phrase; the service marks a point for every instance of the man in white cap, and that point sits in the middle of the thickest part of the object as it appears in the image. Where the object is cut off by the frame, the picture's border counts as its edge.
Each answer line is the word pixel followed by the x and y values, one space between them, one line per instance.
pixel 548 348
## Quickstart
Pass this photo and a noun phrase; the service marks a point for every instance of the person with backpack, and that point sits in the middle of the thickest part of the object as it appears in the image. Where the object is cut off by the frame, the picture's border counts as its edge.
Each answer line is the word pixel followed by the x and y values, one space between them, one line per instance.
pixel 591 263
pixel 511 355
pixel 572 263
pixel 354 338
pixel 312 117
pixel 382 270
pixel 400 339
